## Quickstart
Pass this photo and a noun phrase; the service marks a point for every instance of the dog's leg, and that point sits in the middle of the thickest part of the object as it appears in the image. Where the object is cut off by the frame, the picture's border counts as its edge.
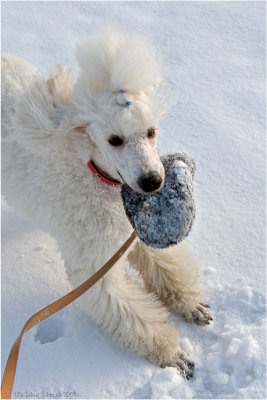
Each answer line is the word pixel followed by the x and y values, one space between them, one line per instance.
pixel 173 275
pixel 135 319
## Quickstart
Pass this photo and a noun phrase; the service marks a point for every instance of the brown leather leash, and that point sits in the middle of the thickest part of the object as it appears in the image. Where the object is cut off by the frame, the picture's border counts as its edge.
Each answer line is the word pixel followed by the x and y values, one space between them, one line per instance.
pixel 11 365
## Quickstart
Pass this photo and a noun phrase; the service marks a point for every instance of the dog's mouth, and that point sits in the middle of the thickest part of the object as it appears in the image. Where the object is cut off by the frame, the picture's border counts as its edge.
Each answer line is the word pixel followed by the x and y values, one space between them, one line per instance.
pixel 104 176
pixel 109 180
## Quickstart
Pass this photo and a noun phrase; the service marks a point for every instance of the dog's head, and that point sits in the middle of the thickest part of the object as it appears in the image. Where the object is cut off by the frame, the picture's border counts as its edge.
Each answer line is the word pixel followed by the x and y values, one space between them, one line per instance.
pixel 116 101
pixel 111 116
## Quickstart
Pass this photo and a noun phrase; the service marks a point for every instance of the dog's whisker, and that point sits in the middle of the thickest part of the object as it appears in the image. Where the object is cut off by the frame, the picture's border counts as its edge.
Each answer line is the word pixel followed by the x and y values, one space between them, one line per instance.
pixel 121 176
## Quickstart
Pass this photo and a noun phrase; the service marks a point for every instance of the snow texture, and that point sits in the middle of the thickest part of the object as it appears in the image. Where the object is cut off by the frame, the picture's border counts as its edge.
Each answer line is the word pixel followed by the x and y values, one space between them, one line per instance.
pixel 165 218
pixel 213 54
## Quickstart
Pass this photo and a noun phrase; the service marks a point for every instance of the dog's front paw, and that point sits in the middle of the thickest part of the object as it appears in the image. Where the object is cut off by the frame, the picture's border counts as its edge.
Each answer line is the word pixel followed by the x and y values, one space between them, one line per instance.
pixel 182 363
pixel 200 315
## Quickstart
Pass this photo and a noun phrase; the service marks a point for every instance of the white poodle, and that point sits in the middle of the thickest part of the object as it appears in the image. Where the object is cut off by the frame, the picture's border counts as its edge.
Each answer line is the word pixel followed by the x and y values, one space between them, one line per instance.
pixel 56 134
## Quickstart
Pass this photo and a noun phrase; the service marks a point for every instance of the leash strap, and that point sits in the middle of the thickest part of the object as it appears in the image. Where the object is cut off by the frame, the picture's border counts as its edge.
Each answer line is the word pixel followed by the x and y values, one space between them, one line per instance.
pixel 11 365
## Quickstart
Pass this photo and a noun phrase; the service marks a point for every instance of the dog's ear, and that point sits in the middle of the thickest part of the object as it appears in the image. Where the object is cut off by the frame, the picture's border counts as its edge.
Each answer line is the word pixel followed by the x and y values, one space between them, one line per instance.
pixel 42 111
pixel 60 86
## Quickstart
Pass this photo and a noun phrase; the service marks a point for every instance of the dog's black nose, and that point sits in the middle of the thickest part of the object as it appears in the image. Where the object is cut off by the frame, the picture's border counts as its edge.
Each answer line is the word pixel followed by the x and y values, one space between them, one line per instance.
pixel 150 182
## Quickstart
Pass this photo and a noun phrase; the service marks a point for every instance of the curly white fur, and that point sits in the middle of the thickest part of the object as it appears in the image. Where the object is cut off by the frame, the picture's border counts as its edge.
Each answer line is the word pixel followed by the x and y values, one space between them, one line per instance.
pixel 113 60
pixel 51 129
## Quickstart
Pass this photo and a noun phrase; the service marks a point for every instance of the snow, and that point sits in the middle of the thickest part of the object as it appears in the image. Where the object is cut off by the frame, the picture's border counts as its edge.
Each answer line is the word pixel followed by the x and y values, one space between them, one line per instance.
pixel 213 53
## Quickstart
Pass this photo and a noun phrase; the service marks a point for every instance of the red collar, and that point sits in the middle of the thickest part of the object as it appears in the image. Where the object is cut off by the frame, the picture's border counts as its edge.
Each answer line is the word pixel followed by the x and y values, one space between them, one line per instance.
pixel 107 180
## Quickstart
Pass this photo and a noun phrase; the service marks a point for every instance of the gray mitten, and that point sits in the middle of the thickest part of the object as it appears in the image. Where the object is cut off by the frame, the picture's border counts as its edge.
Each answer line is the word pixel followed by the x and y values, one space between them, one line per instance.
pixel 165 218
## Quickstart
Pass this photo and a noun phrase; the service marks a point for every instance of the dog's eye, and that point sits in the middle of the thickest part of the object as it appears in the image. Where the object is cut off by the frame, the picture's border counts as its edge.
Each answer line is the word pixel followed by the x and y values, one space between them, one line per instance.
pixel 151 132
pixel 115 141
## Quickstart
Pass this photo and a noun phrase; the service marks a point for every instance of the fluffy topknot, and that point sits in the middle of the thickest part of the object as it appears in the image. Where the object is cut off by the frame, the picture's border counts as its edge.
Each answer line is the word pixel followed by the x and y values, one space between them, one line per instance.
pixel 112 61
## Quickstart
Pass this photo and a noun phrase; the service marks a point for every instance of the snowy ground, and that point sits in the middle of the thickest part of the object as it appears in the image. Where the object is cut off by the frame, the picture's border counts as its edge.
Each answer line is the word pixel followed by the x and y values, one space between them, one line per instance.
pixel 214 55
